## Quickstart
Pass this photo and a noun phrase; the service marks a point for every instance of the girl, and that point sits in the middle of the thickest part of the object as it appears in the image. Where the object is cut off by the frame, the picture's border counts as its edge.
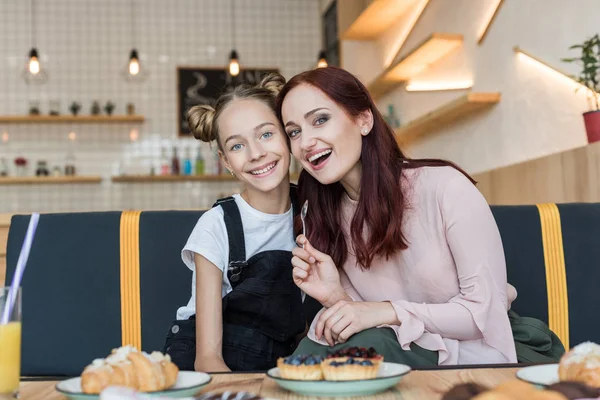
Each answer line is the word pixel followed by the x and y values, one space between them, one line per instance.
pixel 419 253
pixel 245 310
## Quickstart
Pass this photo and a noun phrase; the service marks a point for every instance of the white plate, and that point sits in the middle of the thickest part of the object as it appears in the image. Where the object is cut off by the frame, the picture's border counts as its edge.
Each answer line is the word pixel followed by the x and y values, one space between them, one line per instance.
pixel 389 375
pixel 188 384
pixel 541 375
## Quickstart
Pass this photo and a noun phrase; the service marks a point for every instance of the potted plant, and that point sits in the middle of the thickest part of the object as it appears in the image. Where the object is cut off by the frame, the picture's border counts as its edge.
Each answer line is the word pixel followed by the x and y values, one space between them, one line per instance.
pixel 589 59
pixel 95 108
pixel 75 107
pixel 109 107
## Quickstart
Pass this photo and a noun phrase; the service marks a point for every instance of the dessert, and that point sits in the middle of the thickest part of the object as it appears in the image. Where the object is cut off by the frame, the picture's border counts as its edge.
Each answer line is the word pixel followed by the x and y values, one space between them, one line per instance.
pixel 128 367
pixel 519 390
pixel 581 364
pixel 350 368
pixel 575 390
pixel 351 363
pixel 301 367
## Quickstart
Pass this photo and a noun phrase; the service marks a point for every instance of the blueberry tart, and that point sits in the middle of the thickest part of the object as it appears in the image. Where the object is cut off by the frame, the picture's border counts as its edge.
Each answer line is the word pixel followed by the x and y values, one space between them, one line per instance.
pixel 305 367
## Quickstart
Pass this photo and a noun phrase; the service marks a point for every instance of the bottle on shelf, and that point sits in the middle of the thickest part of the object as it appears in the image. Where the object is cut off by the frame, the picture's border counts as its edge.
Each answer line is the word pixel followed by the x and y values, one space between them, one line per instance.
pixel 42 168
pixel 165 167
pixel 175 164
pixel 187 162
pixel 199 162
pixel 3 167
pixel 70 169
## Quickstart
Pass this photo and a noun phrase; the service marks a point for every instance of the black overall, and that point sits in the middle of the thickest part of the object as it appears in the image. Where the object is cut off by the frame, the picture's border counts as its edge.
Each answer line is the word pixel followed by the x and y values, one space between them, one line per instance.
pixel 261 315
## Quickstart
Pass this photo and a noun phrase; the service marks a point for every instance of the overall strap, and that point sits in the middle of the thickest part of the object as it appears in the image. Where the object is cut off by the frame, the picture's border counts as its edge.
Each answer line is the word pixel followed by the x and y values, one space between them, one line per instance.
pixel 235 234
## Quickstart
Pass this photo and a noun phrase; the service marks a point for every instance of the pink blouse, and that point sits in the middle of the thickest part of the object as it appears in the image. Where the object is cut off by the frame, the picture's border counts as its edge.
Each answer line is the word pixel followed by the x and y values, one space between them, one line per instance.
pixel 449 287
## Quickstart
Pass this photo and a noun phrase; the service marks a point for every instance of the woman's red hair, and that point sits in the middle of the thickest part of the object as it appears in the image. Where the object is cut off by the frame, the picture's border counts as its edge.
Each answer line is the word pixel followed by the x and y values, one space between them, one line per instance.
pixel 382 203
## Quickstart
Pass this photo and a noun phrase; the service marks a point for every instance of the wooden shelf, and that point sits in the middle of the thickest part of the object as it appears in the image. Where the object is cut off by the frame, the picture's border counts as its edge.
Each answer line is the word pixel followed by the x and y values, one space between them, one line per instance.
pixel 433 49
pixel 372 20
pixel 36 119
pixel 446 114
pixel 172 178
pixel 178 178
pixel 29 180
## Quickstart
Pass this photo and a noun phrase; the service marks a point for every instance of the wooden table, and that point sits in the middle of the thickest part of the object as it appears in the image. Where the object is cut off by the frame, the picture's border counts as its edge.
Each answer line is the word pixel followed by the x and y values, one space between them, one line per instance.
pixel 421 385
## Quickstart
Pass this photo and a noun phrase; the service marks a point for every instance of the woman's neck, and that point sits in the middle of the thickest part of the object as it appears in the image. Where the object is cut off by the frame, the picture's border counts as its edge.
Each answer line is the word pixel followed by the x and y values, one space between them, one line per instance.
pixel 276 201
pixel 351 181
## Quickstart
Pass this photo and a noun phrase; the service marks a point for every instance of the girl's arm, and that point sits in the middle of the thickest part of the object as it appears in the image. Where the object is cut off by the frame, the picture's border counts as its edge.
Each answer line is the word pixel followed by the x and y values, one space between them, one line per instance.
pixel 209 317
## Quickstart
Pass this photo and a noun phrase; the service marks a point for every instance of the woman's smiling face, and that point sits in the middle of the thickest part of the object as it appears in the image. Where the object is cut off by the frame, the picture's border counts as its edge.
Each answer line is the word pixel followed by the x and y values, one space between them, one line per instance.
pixel 324 138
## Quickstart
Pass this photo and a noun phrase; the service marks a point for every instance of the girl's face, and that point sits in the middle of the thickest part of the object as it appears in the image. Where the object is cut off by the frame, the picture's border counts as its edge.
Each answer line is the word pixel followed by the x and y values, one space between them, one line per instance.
pixel 326 140
pixel 254 146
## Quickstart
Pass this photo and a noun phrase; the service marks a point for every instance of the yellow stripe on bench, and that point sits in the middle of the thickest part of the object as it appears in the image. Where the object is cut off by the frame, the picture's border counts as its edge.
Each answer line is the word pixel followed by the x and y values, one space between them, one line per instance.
pixel 131 331
pixel 556 277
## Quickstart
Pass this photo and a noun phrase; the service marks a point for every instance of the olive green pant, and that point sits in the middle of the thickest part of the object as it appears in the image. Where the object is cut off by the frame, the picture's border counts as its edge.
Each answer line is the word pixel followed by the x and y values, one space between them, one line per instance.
pixel 534 343
pixel 383 340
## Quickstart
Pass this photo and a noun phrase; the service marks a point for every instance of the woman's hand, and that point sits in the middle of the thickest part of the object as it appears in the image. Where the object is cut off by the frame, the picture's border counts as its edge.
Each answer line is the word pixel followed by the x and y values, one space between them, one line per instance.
pixel 316 274
pixel 338 323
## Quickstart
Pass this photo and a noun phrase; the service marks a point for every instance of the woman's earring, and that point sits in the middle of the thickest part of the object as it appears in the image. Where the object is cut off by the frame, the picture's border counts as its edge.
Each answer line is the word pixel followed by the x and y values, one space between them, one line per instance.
pixel 365 130
pixel 231 172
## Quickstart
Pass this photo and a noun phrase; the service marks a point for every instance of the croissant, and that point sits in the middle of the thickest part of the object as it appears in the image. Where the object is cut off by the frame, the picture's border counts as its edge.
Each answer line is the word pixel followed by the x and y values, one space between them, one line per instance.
pixel 128 367
pixel 581 364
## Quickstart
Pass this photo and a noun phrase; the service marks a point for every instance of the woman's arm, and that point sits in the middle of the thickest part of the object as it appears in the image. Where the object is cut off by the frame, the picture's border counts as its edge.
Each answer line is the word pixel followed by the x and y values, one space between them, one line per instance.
pixel 209 317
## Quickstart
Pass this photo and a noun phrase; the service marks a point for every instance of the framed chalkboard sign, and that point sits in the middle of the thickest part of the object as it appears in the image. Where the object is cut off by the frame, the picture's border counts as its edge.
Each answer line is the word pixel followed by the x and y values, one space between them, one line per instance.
pixel 203 85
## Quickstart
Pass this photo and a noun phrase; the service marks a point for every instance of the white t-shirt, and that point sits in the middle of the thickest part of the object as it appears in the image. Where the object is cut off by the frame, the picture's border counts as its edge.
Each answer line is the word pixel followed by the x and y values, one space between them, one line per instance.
pixel 262 232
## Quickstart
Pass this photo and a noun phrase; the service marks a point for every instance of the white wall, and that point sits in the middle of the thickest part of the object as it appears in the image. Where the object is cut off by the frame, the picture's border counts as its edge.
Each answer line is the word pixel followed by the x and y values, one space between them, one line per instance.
pixel 539 113
pixel 85 43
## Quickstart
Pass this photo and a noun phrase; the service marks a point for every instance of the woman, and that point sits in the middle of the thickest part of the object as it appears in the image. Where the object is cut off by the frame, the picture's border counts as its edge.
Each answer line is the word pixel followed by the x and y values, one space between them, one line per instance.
pixel 404 255
pixel 245 310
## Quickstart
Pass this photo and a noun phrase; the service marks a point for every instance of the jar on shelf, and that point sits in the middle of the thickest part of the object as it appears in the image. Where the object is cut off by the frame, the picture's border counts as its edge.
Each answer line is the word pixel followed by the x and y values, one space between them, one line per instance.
pixel 42 168
pixel 3 167
pixel 20 166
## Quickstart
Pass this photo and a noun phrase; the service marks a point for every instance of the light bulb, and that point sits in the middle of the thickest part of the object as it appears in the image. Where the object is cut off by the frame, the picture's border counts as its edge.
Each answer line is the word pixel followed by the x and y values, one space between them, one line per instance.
pixel 322 63
pixel 134 66
pixel 234 65
pixel 134 71
pixel 34 65
pixel 32 71
pixel 134 135
pixel 134 63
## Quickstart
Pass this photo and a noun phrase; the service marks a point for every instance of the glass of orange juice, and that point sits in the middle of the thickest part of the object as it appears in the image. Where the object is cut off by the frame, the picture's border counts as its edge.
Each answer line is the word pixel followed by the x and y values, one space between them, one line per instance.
pixel 10 346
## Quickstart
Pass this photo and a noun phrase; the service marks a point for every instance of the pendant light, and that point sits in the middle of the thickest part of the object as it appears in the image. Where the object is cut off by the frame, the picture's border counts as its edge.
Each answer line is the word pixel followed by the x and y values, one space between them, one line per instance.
pixel 133 71
pixel 33 71
pixel 234 64
pixel 322 62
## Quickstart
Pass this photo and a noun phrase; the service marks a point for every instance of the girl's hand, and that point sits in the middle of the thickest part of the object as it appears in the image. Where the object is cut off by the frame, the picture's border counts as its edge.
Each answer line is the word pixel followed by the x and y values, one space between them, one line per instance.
pixel 316 274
